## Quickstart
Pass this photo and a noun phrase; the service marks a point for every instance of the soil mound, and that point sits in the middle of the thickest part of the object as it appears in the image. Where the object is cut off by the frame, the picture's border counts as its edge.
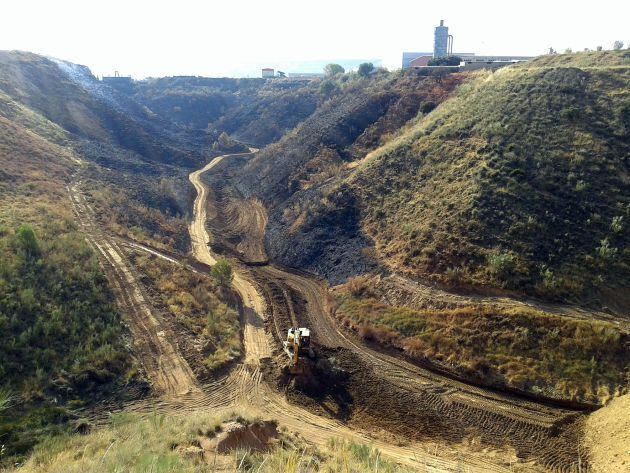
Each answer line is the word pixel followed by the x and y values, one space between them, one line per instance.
pixel 255 437
pixel 607 436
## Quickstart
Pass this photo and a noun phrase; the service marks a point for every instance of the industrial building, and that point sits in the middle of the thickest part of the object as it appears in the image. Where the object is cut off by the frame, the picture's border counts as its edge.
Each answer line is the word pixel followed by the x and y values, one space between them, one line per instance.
pixel 442 42
pixel 267 73
pixel 407 57
pixel 421 61
pixel 443 47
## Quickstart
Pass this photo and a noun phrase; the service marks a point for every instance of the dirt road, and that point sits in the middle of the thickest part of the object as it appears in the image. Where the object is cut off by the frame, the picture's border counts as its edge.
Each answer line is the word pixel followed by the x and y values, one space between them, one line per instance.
pixel 456 411
pixel 413 416
pixel 168 372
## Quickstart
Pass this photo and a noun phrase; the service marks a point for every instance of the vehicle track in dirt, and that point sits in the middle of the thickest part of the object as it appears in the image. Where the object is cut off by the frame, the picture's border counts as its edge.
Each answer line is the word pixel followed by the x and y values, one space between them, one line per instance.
pixel 546 434
pixel 449 410
pixel 167 371
pixel 272 297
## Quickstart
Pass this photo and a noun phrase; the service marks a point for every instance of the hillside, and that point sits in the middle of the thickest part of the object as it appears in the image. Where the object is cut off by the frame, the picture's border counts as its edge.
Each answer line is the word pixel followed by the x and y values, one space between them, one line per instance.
pixel 69 96
pixel 68 341
pixel 255 111
pixel 63 339
pixel 518 182
pixel 469 238
pixel 293 176
pixel 516 185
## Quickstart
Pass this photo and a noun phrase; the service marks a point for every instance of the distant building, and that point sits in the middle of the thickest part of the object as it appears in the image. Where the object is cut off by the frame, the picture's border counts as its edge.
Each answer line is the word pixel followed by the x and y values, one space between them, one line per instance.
pixel 306 75
pixel 443 47
pixel 407 57
pixel 473 59
pixel 267 73
pixel 122 83
pixel 421 61
pixel 443 42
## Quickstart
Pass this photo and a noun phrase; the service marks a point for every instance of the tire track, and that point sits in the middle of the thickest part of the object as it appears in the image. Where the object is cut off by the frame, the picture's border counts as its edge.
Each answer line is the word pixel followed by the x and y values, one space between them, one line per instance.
pixel 166 369
pixel 257 396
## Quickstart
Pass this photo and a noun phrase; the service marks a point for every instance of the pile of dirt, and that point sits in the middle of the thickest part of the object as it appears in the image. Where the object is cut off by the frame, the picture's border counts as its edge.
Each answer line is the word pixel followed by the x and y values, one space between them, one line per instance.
pixel 252 437
pixel 607 437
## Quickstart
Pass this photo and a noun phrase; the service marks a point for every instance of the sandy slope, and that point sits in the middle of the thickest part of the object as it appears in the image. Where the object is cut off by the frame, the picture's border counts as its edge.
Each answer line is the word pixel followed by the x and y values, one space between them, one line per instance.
pixel 607 437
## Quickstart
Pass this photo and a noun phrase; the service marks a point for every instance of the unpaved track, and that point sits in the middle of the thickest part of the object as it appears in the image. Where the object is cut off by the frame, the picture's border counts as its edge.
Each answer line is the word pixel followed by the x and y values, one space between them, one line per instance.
pixel 500 419
pixel 168 372
pixel 178 392
pixel 257 396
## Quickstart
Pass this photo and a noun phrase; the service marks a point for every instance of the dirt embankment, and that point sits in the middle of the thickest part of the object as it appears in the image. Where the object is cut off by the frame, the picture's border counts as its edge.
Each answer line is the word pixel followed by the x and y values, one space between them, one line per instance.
pixel 607 437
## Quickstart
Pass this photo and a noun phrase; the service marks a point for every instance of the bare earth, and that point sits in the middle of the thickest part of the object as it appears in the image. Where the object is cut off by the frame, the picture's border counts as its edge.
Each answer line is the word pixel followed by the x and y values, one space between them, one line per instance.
pixel 607 437
pixel 454 416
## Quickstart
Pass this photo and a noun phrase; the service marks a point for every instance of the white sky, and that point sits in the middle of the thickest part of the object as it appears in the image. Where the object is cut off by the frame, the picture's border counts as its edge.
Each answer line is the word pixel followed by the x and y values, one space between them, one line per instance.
pixel 237 37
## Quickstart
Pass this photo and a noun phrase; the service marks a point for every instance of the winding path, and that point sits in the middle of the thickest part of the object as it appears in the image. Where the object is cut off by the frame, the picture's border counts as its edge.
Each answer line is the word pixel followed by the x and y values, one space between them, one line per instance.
pixel 257 396
pixel 178 392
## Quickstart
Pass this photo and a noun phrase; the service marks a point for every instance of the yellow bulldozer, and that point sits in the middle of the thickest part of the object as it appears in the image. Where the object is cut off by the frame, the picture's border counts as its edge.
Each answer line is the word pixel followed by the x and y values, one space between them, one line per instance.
pixel 298 346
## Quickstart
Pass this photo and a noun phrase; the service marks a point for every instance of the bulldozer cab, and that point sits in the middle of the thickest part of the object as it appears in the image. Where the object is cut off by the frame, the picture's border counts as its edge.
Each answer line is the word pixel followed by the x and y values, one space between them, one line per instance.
pixel 300 337
pixel 297 345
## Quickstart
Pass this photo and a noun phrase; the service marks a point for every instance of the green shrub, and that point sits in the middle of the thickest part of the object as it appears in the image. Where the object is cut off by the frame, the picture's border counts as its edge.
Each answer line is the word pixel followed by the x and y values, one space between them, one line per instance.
pixel 502 265
pixel 62 333
pixel 365 69
pixel 333 70
pixel 222 273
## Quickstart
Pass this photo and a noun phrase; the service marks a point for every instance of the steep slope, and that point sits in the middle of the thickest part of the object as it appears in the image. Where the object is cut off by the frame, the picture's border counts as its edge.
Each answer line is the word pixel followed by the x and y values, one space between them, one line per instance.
pixel 308 226
pixel 518 182
pixel 69 96
pixel 63 341
pixel 521 182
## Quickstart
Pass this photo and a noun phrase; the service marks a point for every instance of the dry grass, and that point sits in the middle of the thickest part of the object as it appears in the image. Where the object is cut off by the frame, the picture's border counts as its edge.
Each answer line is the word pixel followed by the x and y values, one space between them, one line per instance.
pixel 199 310
pixel 525 349
pixel 158 443
pixel 122 213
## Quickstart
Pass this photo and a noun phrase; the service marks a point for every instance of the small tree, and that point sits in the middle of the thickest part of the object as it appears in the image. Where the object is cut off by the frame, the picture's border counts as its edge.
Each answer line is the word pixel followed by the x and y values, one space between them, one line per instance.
pixel 365 69
pixel 222 273
pixel 617 45
pixel 333 69
pixel 599 48
pixel 568 51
